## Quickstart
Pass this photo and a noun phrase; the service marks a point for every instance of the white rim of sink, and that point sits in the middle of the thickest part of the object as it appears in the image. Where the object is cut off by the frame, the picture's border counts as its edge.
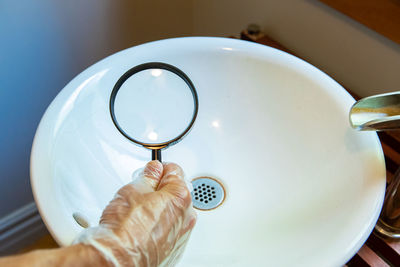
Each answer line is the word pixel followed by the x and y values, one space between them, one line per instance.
pixel 40 168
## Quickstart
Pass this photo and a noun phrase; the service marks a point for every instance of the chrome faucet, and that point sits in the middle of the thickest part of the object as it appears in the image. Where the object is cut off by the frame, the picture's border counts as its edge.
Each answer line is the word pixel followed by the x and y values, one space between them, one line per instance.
pixel 382 113
pixel 376 113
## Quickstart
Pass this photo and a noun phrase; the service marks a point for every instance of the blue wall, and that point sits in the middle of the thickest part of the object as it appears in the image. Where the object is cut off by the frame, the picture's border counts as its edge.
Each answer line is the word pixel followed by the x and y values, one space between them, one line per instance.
pixel 34 66
pixel 43 45
pixel 40 52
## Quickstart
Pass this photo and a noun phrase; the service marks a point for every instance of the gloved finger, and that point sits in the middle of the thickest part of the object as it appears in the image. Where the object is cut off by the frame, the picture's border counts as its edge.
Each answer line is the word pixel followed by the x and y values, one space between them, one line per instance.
pixel 173 183
pixel 120 205
pixel 171 168
pixel 152 173
pixel 189 222
pixel 176 253
pixel 150 178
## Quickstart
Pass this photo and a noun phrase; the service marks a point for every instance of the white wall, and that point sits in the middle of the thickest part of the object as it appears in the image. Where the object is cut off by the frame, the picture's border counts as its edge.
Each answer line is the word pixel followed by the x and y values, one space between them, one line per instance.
pixel 43 45
pixel 359 58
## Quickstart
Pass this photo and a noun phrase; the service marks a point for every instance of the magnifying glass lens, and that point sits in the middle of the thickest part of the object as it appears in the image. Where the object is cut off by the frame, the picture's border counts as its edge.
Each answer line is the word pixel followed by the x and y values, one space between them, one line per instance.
pixel 154 105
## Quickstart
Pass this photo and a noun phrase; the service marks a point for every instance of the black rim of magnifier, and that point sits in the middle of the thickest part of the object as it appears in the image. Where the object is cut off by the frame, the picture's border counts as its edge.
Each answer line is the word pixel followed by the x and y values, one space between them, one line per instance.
pixel 155 147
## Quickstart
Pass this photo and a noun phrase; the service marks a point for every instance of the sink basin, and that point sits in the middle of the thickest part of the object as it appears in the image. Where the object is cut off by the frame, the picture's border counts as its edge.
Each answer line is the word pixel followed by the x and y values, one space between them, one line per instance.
pixel 302 187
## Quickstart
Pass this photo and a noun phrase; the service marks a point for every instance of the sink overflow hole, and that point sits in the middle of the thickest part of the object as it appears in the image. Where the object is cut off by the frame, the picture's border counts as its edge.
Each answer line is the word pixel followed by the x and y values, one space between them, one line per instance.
pixel 80 219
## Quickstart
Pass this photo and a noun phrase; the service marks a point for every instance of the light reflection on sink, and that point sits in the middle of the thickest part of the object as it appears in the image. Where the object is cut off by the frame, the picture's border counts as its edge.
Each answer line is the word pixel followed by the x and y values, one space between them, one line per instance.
pixel 302 187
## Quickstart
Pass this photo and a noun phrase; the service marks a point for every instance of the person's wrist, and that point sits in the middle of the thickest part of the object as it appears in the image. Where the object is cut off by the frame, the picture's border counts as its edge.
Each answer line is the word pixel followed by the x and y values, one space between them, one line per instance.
pixel 90 255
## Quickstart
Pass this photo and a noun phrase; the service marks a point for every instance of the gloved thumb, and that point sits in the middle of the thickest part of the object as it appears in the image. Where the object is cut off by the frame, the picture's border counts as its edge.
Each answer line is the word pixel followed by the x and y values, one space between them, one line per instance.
pixel 149 179
pixel 174 183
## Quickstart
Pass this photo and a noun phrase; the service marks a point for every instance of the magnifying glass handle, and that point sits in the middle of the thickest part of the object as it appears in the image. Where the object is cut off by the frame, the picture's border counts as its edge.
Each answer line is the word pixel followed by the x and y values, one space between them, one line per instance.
pixel 156 154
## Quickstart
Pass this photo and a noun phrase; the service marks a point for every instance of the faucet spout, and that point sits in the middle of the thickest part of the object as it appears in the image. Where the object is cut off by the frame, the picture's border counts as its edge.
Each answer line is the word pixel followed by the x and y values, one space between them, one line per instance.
pixel 376 113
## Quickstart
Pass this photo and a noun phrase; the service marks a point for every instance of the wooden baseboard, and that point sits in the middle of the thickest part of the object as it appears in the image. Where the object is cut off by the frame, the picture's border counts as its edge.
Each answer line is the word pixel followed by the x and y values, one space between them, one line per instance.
pixel 20 229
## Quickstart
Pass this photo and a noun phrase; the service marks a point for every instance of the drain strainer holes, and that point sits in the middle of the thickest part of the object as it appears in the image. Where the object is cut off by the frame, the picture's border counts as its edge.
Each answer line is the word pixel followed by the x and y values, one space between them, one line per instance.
pixel 208 193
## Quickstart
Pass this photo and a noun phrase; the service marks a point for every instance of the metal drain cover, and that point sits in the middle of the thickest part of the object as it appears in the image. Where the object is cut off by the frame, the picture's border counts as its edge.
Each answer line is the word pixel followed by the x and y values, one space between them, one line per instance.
pixel 207 193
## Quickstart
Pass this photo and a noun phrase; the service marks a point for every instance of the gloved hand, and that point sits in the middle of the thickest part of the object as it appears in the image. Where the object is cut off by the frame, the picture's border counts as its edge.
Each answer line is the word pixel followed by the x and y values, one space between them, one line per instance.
pixel 148 222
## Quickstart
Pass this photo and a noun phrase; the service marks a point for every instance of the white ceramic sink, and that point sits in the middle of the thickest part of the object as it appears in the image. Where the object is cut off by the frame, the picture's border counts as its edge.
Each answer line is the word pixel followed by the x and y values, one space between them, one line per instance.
pixel 303 188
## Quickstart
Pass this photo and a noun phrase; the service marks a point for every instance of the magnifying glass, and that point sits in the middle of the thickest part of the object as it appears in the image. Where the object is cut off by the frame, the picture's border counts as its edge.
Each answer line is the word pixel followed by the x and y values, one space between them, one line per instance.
pixel 154 105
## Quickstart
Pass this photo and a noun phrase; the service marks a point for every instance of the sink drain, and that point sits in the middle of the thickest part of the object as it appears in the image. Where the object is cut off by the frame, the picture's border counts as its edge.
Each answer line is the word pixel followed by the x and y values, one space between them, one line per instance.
pixel 207 193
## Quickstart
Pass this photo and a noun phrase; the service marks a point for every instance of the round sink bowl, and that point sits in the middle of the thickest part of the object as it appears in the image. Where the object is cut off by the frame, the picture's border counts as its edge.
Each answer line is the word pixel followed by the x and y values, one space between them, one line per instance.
pixel 302 187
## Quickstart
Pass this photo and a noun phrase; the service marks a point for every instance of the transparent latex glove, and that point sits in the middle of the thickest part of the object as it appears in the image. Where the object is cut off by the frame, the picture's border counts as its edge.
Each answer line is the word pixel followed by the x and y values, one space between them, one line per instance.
pixel 148 222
